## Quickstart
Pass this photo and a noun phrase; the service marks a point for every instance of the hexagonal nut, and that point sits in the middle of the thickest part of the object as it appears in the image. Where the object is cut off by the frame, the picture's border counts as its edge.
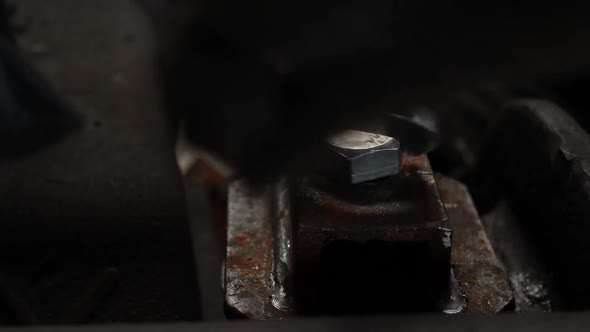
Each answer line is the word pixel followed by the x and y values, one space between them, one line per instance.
pixel 363 156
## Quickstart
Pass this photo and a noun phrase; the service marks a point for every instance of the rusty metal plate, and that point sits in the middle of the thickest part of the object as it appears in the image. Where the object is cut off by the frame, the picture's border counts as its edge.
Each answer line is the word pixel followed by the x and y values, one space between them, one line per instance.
pixel 258 224
pixel 249 262
pixel 476 267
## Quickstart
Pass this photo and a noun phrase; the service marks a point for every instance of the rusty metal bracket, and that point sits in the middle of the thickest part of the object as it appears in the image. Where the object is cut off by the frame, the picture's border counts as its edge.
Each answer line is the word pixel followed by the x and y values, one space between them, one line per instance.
pixel 278 235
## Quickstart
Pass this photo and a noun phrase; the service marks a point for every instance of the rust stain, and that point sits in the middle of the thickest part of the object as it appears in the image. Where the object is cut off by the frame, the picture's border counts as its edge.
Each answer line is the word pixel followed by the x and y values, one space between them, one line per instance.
pixel 240 239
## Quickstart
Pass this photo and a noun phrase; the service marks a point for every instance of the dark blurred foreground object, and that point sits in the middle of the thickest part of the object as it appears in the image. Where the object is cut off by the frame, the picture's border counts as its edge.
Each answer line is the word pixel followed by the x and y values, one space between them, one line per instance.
pixel 31 113
pixel 539 160
pixel 93 228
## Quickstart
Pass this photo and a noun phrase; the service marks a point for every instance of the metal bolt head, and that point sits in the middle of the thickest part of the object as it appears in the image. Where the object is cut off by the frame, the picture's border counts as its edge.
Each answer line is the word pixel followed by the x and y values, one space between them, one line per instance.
pixel 363 156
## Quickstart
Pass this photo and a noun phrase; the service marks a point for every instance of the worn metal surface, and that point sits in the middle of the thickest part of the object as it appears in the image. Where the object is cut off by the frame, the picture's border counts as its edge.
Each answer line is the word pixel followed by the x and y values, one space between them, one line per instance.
pixel 476 267
pixel 362 156
pixel 282 272
pixel 259 267
pixel 412 203
pixel 413 197
pixel 343 233
pixel 249 260
pixel 347 256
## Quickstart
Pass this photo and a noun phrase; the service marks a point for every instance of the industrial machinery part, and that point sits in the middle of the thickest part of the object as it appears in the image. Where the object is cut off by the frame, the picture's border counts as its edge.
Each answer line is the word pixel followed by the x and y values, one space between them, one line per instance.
pixel 303 247
pixel 362 156
pixel 388 243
